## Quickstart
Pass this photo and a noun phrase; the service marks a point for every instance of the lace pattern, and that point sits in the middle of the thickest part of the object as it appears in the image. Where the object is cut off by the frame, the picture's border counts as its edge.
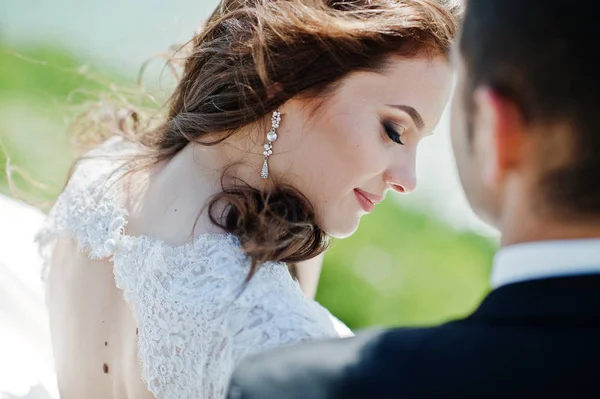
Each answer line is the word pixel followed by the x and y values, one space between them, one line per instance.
pixel 196 316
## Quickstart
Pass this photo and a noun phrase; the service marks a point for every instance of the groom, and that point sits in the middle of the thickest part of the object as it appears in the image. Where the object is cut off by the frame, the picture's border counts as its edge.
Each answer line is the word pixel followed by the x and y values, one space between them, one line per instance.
pixel 526 135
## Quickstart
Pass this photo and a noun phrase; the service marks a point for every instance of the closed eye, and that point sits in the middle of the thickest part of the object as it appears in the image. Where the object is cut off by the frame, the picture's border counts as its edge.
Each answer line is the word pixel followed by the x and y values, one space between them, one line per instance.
pixel 394 131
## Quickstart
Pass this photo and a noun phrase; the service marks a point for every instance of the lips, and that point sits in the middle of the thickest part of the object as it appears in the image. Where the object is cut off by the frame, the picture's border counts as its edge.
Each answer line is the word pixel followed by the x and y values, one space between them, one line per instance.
pixel 366 200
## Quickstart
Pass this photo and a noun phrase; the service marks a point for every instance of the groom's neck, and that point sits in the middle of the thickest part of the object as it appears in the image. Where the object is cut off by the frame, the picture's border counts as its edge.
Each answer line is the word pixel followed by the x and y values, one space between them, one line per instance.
pixel 523 224
pixel 525 216
pixel 548 232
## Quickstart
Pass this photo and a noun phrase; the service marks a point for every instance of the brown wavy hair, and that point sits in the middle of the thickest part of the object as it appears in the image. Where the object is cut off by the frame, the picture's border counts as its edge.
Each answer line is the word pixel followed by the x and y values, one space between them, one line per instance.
pixel 250 58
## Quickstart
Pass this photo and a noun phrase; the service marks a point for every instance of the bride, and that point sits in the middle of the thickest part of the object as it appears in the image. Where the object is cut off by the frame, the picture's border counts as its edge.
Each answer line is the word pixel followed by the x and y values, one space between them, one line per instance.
pixel 167 251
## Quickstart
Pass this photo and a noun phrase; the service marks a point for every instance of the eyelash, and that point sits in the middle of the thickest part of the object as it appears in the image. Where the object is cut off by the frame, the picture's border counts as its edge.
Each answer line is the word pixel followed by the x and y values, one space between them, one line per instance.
pixel 392 132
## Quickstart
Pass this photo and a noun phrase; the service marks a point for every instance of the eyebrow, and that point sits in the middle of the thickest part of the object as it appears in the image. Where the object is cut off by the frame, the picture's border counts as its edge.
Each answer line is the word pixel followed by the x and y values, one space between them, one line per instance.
pixel 413 113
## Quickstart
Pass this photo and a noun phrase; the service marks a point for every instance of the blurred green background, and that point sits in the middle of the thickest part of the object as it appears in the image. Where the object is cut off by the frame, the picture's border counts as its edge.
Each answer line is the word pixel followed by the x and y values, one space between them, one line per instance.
pixel 405 266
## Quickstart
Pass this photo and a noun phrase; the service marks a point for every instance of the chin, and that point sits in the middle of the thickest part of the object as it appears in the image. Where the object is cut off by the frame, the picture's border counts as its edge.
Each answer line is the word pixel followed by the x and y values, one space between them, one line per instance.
pixel 344 230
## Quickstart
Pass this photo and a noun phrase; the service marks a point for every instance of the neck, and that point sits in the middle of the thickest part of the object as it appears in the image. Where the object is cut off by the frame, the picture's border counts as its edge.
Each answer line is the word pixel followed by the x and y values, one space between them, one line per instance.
pixel 178 189
pixel 240 156
pixel 523 222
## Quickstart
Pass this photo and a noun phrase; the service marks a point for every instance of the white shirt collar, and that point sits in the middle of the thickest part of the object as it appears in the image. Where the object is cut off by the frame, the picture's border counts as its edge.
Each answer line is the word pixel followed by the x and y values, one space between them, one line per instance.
pixel 544 259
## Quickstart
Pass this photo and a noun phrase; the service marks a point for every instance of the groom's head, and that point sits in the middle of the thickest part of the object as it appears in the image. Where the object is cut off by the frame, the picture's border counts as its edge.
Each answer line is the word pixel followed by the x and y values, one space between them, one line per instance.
pixel 526 110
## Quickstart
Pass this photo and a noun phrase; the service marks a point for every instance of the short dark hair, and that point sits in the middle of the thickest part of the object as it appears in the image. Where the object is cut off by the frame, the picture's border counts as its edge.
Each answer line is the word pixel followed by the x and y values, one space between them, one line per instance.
pixel 541 55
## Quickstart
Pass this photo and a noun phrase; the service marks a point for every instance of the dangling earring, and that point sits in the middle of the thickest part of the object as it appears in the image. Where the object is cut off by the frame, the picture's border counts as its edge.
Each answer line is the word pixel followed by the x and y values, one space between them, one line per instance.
pixel 271 137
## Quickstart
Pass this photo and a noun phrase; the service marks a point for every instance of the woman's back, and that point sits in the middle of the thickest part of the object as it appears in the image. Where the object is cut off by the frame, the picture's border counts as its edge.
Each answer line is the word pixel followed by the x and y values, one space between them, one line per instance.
pixel 93 329
pixel 132 314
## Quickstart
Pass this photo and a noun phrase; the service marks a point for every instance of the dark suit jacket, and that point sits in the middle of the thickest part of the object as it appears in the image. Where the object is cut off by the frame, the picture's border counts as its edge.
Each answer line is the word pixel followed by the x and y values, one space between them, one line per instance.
pixel 536 339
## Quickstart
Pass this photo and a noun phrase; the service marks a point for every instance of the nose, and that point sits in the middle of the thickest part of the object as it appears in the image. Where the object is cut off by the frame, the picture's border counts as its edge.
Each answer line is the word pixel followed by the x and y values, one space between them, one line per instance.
pixel 402 175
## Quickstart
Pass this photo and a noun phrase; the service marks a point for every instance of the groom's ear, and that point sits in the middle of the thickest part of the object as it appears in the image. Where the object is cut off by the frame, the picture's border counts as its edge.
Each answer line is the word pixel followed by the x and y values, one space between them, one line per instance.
pixel 500 135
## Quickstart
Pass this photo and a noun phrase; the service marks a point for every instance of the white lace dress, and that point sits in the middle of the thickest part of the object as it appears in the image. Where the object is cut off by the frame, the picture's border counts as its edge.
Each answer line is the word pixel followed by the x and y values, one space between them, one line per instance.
pixel 196 318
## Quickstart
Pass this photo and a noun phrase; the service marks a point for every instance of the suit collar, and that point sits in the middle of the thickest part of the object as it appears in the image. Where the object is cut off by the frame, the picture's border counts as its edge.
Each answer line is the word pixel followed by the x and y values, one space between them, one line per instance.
pixel 562 300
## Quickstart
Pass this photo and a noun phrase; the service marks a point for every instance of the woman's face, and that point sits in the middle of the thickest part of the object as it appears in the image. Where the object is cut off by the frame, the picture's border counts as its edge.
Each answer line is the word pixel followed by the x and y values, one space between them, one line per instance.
pixel 362 141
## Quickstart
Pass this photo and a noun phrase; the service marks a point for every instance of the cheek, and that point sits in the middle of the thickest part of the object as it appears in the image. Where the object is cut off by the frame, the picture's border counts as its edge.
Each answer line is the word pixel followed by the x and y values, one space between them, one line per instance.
pixel 353 150
pixel 460 144
pixel 459 134
pixel 343 152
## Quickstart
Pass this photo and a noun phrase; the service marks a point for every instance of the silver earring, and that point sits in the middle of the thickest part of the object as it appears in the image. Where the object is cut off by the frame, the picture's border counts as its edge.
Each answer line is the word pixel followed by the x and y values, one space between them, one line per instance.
pixel 271 137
